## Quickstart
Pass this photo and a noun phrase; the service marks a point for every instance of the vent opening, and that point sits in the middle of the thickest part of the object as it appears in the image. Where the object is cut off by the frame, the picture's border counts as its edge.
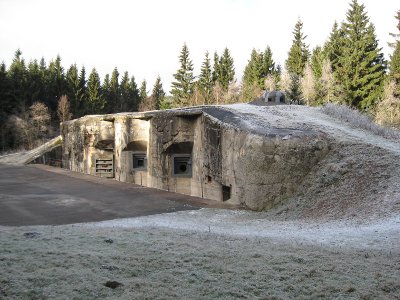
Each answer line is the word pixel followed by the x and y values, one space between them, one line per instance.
pixel 226 192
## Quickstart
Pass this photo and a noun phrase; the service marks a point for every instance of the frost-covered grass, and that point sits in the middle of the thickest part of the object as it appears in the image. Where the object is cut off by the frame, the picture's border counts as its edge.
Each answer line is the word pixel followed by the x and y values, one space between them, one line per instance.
pixel 359 120
pixel 153 262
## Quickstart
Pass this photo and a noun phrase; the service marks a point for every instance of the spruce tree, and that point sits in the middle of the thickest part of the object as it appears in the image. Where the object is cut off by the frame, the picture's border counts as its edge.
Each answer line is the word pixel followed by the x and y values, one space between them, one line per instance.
pixel 134 99
pixel 34 83
pixel 5 107
pixel 252 81
pixel 268 64
pixel 361 64
pixel 317 59
pixel 333 48
pixel 253 70
pixel 216 68
pixel 205 82
pixel 55 83
pixel 294 93
pixel 125 93
pixel 82 96
pixel 396 36
pixel 95 101
pixel 183 86
pixel 73 89
pixel 298 54
pixel 158 94
pixel 17 76
pixel 143 91
pixel 227 70
pixel 115 95
pixel 106 90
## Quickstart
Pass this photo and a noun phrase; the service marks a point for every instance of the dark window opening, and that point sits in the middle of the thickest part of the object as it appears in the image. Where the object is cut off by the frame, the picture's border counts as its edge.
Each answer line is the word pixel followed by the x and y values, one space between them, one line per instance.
pixel 226 193
pixel 139 161
pixel 182 165
pixel 209 179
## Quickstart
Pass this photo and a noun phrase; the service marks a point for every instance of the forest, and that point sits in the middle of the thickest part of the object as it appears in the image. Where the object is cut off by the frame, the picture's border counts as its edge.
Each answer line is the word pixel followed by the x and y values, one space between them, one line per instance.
pixel 349 69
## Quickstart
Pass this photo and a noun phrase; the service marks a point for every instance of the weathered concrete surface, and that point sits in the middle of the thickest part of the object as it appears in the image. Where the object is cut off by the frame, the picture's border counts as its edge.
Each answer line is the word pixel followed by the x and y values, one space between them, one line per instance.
pixel 42 195
pixel 23 158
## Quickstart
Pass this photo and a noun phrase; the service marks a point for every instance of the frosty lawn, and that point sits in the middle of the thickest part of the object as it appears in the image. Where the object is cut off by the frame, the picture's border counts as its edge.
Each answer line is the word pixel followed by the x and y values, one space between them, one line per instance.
pixel 232 255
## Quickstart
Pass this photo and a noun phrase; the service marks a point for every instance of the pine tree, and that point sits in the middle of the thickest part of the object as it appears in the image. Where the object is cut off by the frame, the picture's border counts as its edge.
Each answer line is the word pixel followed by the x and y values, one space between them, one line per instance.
pixel 158 94
pixel 205 82
pixel 361 65
pixel 95 101
pixel 298 54
pixel 183 86
pixel 227 70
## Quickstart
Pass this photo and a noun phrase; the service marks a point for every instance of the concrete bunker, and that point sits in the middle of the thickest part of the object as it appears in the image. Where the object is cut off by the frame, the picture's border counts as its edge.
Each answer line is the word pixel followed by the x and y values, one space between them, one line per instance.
pixel 274 97
pixel 207 152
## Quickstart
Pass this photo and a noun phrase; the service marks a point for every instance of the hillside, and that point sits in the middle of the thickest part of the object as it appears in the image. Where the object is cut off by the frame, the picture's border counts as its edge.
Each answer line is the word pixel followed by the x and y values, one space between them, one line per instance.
pixel 359 178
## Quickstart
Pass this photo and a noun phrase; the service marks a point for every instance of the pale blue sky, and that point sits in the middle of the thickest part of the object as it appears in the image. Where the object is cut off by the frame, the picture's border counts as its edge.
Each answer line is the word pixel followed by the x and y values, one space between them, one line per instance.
pixel 145 37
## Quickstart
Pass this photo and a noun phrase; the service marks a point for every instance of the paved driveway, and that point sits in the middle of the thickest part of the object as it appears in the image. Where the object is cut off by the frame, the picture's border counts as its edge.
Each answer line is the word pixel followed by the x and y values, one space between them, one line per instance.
pixel 41 195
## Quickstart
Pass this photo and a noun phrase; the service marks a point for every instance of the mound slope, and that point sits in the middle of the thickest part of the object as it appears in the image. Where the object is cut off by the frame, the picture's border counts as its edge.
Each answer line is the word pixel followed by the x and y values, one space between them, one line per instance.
pixel 359 178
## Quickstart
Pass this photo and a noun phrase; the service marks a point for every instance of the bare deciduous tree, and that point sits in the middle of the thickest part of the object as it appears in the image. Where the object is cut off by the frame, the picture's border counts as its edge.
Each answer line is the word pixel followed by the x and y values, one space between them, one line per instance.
pixel 327 81
pixel 388 110
pixel 285 81
pixel 307 83
pixel 39 119
pixel 270 83
pixel 63 109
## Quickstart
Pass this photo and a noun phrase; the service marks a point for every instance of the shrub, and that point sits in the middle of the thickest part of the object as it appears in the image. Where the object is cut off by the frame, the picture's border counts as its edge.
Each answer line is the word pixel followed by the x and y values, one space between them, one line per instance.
pixel 359 120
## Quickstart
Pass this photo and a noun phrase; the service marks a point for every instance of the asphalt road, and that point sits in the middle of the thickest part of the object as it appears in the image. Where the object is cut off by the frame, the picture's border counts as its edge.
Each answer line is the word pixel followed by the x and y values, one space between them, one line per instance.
pixel 42 195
